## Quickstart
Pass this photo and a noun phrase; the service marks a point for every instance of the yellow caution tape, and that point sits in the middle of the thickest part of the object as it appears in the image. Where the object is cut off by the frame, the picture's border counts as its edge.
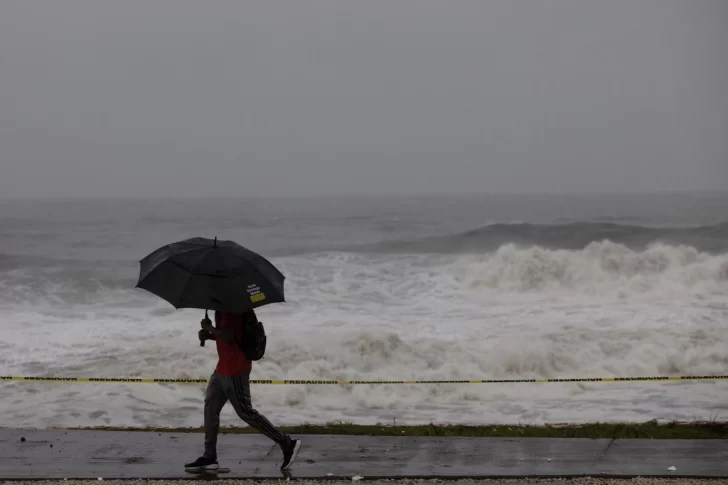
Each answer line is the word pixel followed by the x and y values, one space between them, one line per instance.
pixel 135 380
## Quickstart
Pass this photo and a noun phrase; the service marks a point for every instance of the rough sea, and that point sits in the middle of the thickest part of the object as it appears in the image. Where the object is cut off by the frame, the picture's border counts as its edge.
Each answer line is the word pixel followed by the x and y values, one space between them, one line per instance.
pixel 481 287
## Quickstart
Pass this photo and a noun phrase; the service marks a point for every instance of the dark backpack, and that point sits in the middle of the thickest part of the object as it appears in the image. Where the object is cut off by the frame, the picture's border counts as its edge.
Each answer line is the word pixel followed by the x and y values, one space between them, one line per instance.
pixel 253 339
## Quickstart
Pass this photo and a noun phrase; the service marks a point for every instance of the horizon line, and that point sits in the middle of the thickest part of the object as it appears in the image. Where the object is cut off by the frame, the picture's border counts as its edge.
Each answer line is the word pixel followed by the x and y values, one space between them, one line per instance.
pixel 83 198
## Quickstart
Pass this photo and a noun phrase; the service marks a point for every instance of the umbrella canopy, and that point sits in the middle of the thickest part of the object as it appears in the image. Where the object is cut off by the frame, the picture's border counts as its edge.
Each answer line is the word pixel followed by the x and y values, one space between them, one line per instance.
pixel 211 275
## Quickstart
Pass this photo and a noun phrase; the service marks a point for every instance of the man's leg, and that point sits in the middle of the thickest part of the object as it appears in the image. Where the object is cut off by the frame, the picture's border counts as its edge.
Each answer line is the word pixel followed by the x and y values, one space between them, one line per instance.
pixel 237 389
pixel 215 399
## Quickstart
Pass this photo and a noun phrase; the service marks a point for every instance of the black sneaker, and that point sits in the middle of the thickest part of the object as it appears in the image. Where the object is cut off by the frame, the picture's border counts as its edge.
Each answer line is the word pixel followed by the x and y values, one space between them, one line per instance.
pixel 290 452
pixel 202 464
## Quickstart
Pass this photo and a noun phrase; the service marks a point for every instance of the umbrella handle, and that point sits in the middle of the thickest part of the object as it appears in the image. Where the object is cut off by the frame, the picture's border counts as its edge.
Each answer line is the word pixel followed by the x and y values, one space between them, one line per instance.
pixel 202 341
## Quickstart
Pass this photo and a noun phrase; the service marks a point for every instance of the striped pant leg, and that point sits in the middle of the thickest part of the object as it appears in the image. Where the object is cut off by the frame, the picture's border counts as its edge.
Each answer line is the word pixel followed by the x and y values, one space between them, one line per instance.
pixel 215 400
pixel 237 389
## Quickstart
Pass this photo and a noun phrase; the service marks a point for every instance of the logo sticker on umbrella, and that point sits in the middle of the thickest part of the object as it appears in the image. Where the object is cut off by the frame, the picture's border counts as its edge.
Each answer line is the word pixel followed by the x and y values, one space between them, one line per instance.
pixel 256 296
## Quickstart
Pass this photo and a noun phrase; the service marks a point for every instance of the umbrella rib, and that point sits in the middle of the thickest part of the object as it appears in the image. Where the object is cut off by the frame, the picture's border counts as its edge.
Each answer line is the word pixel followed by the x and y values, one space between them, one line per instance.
pixel 199 263
pixel 168 260
pixel 182 293
pixel 191 273
pixel 194 273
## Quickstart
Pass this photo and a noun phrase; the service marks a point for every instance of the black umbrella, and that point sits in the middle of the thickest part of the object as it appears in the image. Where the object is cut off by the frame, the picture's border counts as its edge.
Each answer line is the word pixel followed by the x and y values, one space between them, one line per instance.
pixel 211 275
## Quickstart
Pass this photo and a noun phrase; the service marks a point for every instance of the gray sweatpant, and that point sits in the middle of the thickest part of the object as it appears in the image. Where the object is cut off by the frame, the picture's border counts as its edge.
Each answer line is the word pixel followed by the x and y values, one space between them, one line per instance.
pixel 235 389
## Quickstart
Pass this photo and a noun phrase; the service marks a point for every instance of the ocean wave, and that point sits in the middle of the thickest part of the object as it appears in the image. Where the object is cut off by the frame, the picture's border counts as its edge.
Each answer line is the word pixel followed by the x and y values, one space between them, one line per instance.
pixel 26 281
pixel 589 258
pixel 577 235
pixel 358 355
pixel 601 267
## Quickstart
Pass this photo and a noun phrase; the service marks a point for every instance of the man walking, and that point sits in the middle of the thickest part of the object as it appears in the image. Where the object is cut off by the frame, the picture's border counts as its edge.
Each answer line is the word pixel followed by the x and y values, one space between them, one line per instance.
pixel 231 382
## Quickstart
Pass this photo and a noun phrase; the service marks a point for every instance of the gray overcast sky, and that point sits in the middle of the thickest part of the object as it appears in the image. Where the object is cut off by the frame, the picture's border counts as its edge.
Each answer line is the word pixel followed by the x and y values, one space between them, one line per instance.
pixel 198 98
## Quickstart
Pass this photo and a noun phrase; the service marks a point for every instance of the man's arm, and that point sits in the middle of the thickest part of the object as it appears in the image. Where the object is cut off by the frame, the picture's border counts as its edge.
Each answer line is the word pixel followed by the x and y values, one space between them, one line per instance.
pixel 225 334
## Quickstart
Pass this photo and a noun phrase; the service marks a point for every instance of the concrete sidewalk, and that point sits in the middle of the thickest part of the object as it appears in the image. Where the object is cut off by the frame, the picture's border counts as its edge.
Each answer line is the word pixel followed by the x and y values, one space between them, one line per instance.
pixel 112 454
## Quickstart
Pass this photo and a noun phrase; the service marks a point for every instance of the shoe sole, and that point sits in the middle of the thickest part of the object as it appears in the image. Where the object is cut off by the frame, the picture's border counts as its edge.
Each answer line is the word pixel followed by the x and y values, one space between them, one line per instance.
pixel 206 468
pixel 296 449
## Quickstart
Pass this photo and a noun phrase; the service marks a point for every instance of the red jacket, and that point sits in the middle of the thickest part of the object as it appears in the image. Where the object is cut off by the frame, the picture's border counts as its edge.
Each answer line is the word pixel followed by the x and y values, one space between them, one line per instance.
pixel 231 358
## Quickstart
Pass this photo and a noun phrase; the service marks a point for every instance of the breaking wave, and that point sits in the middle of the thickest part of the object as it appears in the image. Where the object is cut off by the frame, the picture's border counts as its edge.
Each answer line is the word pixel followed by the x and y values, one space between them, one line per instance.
pixel 586 258
pixel 600 266
pixel 578 235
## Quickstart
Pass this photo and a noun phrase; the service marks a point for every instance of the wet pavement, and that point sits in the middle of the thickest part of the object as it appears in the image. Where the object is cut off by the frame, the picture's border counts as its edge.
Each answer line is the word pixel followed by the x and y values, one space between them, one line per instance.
pixel 45 454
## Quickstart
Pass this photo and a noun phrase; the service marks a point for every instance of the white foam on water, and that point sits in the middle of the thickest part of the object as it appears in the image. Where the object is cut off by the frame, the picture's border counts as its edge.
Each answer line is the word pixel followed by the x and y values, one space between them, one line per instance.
pixel 604 267
pixel 514 313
